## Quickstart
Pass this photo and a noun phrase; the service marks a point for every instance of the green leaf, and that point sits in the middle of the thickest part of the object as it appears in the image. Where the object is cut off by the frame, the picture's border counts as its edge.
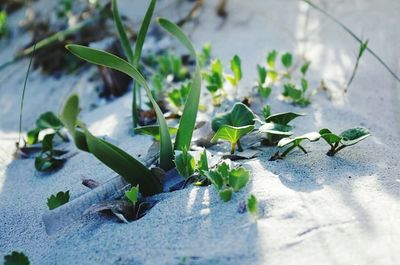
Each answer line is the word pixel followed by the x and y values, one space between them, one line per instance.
pixel 312 137
pixel 329 137
pixel 304 84
pixel 276 129
pixel 271 58
pixel 287 59
pixel 185 163
pixel 283 118
pixel 205 54
pixel 46 162
pixel 252 205
pixel 354 135
pixel 264 91
pixel 154 130
pixel 49 120
pixel 215 178
pixel 47 144
pixel 202 164
pixel 291 91
pixel 238 178
pixel 106 59
pixel 33 136
pixel 304 67
pixel 133 194
pixel 236 69
pixel 226 194
pixel 188 119
pixel 70 113
pixel 126 46
pixel 16 258
pixel 266 111
pixel 231 134
pixel 273 75
pixel 240 115
pixel 223 169
pixel 57 200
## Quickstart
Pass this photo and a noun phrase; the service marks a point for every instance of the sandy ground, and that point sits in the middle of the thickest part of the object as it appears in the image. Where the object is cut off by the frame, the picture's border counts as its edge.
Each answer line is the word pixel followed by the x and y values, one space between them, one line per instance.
pixel 318 209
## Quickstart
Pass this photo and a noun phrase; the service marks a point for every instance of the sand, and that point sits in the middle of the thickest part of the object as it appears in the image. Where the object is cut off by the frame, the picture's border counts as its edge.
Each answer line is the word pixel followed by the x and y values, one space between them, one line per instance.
pixel 316 209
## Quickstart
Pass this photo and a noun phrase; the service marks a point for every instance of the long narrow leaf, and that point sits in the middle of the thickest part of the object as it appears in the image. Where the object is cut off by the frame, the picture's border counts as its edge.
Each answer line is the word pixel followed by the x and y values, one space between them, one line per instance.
pixel 188 119
pixel 106 59
pixel 126 46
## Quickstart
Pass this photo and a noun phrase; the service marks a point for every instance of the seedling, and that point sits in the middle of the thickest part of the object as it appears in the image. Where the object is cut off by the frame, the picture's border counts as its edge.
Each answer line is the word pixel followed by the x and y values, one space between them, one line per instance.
pixel 154 130
pixel 304 68
pixel 361 50
pixel 185 163
pixel 215 81
pixel 297 95
pixel 47 120
pixel 178 96
pixel 346 138
pixel 16 258
pixel 171 65
pixel 277 126
pixel 3 24
pixel 252 205
pixel 233 125
pixel 47 159
pixel 236 69
pixel 287 60
pixel 295 142
pixel 57 200
pixel 157 86
pixel 133 194
pixel 262 87
pixel 227 180
pixel 271 59
pixel 205 55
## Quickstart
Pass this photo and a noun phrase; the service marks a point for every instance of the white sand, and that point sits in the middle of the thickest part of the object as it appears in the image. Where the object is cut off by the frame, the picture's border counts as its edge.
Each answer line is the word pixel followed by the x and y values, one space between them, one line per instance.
pixel 318 209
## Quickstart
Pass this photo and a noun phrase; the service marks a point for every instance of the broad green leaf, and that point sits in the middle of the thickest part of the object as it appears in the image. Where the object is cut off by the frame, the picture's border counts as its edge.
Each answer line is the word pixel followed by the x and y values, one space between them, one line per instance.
pixel 304 67
pixel 106 59
pixel 126 46
pixel 271 58
pixel 226 194
pixel 133 194
pixel 276 129
pixel 70 112
pixel 57 200
pixel 329 137
pixel 215 178
pixel 283 118
pixel 252 205
pixel 354 135
pixel 185 163
pixel 202 164
pixel 291 91
pixel 189 115
pixel 312 137
pixel 154 130
pixel 16 258
pixel 223 169
pixel 231 134
pixel 287 59
pixel 238 178
pixel 125 165
pixel 240 115
pixel 49 120
pixel 47 144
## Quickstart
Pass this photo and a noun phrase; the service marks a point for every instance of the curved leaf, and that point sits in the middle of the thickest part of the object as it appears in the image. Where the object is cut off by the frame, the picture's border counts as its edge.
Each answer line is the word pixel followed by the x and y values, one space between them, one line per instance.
pixel 240 115
pixel 231 133
pixel 126 46
pixel 238 178
pixel 154 130
pixel 275 128
pixel 354 135
pixel 312 137
pixel 283 118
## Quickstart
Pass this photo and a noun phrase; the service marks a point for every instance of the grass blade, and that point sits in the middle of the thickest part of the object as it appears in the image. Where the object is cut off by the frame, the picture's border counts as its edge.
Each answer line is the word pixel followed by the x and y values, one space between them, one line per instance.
pixel 106 59
pixel 126 46
pixel 188 119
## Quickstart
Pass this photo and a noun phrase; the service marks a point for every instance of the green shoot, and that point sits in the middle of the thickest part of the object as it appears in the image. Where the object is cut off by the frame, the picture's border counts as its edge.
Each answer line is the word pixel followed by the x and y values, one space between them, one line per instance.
pixel 287 60
pixel 202 164
pixel 361 50
pixel 16 258
pixel 205 55
pixel 172 65
pixel 263 89
pixel 215 81
pixel 57 200
pixel 271 59
pixel 133 194
pixel 304 68
pixel 46 161
pixel 236 69
pixel 47 120
pixel 154 130
pixel 3 24
pixel 178 96
pixel 252 205
pixel 297 96
pixel 295 142
pixel 185 163
pixel 346 138
pixel 232 135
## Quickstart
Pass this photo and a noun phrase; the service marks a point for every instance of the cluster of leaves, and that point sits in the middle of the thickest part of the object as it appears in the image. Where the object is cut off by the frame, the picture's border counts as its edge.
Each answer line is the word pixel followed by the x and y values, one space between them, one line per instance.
pixel 171 67
pixel 57 200
pixel 177 97
pixel 3 24
pixel 336 142
pixel 16 258
pixel 233 125
pixel 186 165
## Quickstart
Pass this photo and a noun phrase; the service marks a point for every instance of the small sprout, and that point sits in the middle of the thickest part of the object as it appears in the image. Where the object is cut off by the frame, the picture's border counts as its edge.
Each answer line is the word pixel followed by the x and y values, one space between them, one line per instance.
pixel 215 81
pixel 266 111
pixel 252 205
pixel 133 194
pixel 178 96
pixel 46 160
pixel 263 89
pixel 158 86
pixel 271 59
pixel 57 200
pixel 185 163
pixel 16 258
pixel 295 142
pixel 287 60
pixel 233 125
pixel 205 55
pixel 3 24
pixel 170 64
pixel 361 50
pixel 154 130
pixel 202 164
pixel 304 68
pixel 346 138
pixel 297 95
pixel 236 69
pixel 227 181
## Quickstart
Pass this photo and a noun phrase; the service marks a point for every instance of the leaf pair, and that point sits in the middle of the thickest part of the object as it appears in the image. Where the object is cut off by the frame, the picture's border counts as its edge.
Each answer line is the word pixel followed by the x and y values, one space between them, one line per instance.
pixel 227 180
pixel 233 125
pixel 186 164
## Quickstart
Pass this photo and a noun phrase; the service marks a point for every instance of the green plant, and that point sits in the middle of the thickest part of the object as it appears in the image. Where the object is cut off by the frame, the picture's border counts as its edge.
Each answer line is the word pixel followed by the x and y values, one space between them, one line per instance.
pixel 252 205
pixel 133 57
pixel 271 60
pixel 16 258
pixel 344 139
pixel 115 158
pixel 262 88
pixel 215 81
pixel 236 69
pixel 361 50
pixel 304 68
pixel 154 130
pixel 233 125
pixel 47 159
pixel 287 60
pixel 170 64
pixel 178 96
pixel 277 126
pixel 64 8
pixel 297 95
pixel 295 142
pixel 47 120
pixel 185 163
pixel 57 200
pixel 133 194
pixel 204 56
pixel 3 24
pixel 227 180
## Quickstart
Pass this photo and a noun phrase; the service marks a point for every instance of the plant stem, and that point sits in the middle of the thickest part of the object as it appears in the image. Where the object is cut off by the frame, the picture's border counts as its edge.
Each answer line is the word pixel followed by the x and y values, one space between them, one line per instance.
pixel 302 149
pixel 353 74
pixel 135 116
pixel 233 145
pixel 239 146
pixel 288 150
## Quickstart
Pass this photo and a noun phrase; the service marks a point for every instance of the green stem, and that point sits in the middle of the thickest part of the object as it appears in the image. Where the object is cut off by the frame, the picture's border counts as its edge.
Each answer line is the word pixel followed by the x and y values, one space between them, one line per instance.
pixel 233 145
pixel 288 150
pixel 302 149
pixel 239 146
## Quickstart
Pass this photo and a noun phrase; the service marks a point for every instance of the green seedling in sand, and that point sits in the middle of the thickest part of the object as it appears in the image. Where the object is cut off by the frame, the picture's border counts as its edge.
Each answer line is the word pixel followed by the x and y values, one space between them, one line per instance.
pixel 233 125
pixel 185 163
pixel 47 120
pixel 361 50
pixel 204 56
pixel 287 61
pixel 3 24
pixel 133 194
pixel 236 69
pixel 57 200
pixel 16 258
pixel 47 159
pixel 346 138
pixel 157 87
pixel 271 60
pixel 252 205
pixel 215 81
pixel 263 89
pixel 277 126
pixel 154 130
pixel 172 65
pixel 227 181
pixel 297 96
pixel 304 68
pixel 295 142
pixel 177 97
